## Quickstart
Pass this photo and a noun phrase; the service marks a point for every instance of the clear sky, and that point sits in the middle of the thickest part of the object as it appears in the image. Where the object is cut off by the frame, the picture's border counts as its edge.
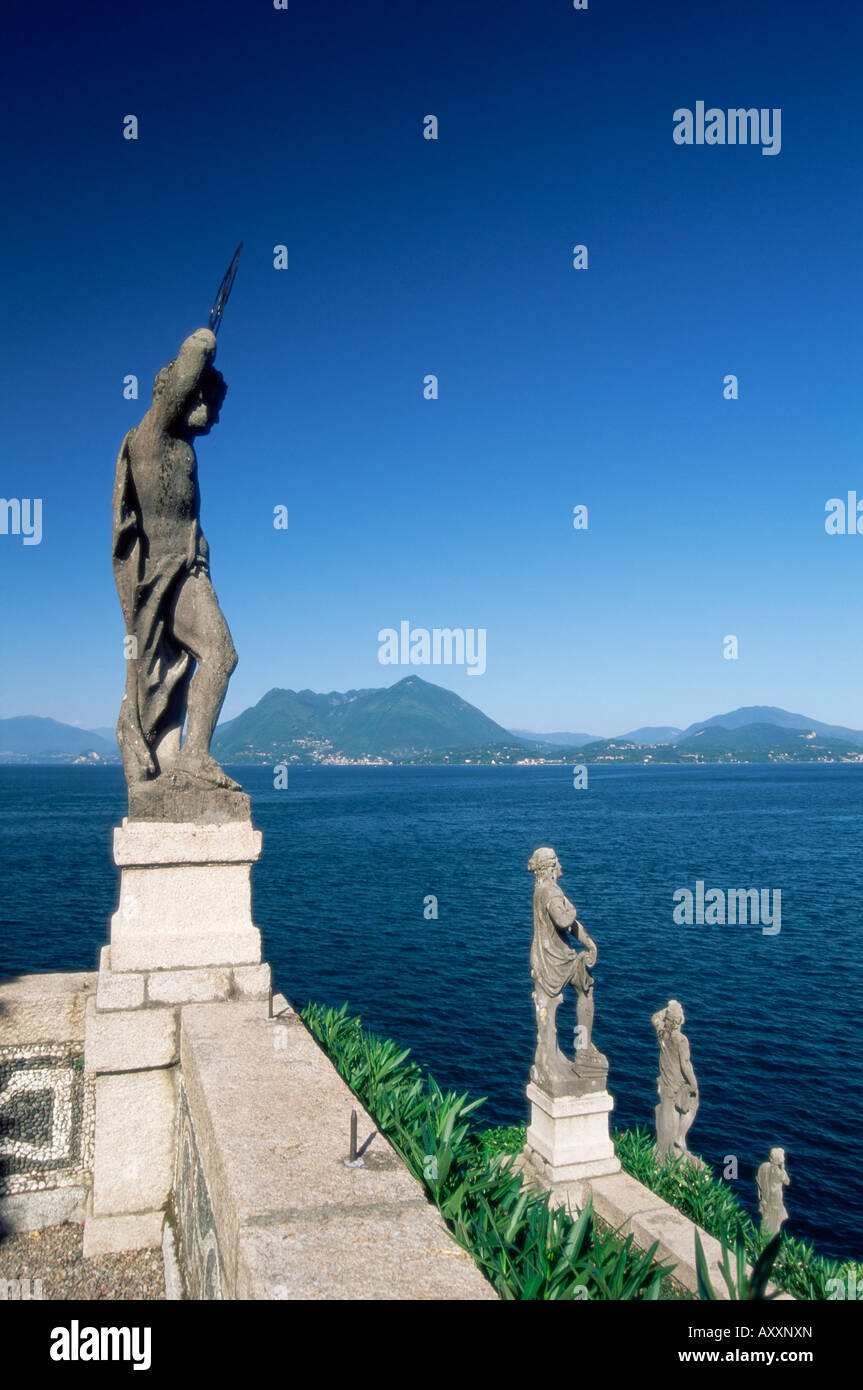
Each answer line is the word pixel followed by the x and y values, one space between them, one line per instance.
pixel 409 256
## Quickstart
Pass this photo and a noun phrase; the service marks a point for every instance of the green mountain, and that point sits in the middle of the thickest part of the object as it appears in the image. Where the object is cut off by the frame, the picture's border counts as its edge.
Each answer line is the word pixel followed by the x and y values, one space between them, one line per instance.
pixel 771 714
pixel 398 723
pixel 714 743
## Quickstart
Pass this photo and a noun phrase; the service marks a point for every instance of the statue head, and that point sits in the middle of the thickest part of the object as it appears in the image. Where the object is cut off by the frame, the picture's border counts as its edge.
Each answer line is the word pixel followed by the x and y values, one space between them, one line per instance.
pixel 201 410
pixel 544 863
pixel 203 406
pixel 674 1017
pixel 777 1156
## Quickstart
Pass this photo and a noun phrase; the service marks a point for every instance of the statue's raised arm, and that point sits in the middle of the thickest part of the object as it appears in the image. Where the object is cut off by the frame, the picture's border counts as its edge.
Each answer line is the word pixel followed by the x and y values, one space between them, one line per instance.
pixel 185 375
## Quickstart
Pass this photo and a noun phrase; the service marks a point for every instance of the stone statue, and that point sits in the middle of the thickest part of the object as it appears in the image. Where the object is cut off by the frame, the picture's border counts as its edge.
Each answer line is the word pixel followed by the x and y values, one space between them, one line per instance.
pixel 179 650
pixel 771 1178
pixel 676 1084
pixel 554 964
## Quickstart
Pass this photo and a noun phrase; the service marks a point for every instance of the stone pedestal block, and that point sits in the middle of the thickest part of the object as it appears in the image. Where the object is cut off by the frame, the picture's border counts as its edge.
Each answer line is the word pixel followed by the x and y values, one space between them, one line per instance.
pixel 568 1138
pixel 134 1147
pixel 182 933
pixel 185 896
pixel 110 1235
pixel 130 1040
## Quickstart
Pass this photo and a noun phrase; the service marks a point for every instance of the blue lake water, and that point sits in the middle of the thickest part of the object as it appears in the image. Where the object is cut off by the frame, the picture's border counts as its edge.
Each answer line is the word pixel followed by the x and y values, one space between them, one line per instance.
pixel 351 854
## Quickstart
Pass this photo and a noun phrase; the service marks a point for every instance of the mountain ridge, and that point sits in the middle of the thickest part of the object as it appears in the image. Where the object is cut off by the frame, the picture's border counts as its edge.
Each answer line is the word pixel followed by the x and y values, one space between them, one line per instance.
pixel 392 722
pixel 758 714
pixel 415 720
pixel 555 740
pixel 30 736
pixel 746 743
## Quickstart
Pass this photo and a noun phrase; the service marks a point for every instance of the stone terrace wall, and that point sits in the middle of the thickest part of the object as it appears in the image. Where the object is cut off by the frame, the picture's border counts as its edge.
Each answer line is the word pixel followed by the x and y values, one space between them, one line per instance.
pixel 46 1101
pixel 265 1206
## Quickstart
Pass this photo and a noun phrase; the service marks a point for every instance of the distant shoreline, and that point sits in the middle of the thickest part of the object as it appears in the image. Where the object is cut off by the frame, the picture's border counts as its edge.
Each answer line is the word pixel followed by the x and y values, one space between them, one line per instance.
pixel 470 763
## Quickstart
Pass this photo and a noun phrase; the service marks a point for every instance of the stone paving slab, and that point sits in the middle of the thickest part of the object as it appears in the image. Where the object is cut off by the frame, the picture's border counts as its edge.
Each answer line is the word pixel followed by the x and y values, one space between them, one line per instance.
pixel 44 1008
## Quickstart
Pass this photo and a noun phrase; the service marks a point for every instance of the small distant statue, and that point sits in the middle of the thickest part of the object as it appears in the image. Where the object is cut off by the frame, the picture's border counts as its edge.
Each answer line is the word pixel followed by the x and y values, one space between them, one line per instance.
pixel 771 1178
pixel 554 964
pixel 676 1084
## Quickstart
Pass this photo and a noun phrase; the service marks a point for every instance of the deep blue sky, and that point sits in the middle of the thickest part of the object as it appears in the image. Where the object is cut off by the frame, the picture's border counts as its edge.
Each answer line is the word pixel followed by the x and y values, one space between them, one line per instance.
pixel 409 257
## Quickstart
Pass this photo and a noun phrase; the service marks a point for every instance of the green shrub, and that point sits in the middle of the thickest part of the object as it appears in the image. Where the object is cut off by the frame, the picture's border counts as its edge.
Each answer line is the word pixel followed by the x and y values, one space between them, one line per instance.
pixel 712 1204
pixel 527 1249
pixel 741 1285
pixel 500 1140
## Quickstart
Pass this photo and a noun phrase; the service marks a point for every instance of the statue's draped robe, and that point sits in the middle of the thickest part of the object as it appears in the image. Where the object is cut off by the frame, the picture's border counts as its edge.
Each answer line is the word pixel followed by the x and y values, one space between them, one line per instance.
pixel 770 1196
pixel 158 670
pixel 673 1085
pixel 553 962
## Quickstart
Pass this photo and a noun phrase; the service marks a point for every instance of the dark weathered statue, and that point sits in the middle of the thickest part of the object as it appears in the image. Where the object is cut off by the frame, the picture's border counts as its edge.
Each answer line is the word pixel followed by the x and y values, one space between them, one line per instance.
pixel 554 964
pixel 179 651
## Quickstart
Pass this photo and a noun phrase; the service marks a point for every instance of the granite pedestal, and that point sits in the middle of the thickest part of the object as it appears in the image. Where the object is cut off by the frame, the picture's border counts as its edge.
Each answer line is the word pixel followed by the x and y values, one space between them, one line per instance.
pixel 568 1138
pixel 182 933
